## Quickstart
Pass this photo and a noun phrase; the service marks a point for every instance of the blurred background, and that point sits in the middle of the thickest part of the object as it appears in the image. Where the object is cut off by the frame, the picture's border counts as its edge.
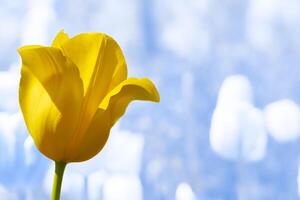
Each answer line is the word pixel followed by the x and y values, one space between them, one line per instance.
pixel 228 123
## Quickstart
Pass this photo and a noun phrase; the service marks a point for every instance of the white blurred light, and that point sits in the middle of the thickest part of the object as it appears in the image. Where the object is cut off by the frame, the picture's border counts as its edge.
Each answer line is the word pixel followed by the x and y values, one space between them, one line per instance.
pixel 9 123
pixel 184 104
pixel 298 180
pixel 5 194
pixel 283 120
pixel 11 15
pixel 9 82
pixel 154 169
pixel 123 152
pixel 129 21
pixel 120 187
pixel 184 192
pixel 237 127
pixel 193 39
pixel 96 181
pixel 263 19
pixel 39 16
pixel 29 151
pixel 234 90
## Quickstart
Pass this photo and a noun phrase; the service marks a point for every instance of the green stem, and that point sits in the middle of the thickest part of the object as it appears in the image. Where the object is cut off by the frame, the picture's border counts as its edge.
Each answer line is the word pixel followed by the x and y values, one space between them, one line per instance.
pixel 58 177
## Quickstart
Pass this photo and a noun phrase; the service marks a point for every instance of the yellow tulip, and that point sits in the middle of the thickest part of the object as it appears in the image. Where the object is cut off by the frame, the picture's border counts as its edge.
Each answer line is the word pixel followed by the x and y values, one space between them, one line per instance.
pixel 74 91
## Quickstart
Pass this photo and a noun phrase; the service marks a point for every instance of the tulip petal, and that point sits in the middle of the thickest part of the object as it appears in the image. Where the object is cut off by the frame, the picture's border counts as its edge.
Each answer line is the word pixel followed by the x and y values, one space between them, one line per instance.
pixel 111 109
pixel 129 90
pixel 93 140
pixel 59 39
pixel 50 97
pixel 90 141
pixel 100 61
pixel 58 75
pixel 73 92
pixel 102 66
pixel 40 114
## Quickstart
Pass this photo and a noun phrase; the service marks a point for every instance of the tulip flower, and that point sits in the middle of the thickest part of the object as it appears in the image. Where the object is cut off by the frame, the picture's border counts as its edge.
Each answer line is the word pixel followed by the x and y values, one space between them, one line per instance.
pixel 72 93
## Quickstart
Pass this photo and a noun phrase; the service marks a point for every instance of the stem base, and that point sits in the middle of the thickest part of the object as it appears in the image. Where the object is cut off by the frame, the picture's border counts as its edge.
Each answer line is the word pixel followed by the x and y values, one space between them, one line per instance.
pixel 57 181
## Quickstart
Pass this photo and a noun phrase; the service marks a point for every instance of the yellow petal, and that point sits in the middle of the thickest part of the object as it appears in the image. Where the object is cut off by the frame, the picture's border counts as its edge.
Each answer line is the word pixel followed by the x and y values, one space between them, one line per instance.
pixel 72 93
pixel 40 114
pixel 102 66
pixel 129 90
pixel 100 61
pixel 93 140
pixel 50 98
pixel 87 143
pixel 58 75
pixel 59 39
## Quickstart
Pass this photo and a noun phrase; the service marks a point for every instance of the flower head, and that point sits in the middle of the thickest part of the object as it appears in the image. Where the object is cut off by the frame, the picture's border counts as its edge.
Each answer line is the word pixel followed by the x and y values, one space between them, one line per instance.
pixel 73 92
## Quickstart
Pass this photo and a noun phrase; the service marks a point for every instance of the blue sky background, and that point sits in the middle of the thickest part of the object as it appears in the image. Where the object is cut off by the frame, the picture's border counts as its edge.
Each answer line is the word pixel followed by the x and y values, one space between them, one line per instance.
pixel 228 123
